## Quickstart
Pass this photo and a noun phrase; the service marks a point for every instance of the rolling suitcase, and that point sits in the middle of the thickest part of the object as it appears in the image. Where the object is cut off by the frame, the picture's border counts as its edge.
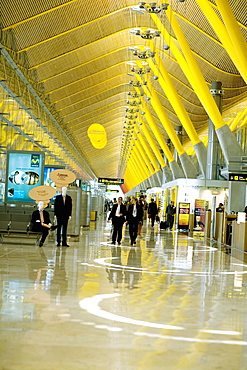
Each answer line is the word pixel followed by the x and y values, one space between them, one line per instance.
pixel 163 225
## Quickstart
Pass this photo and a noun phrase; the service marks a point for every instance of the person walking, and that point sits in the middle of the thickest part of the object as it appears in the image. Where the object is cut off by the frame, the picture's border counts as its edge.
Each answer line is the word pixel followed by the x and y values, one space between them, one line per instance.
pixel 62 210
pixel 117 216
pixel 141 204
pixel 171 211
pixel 220 208
pixel 41 222
pixel 134 219
pixel 152 211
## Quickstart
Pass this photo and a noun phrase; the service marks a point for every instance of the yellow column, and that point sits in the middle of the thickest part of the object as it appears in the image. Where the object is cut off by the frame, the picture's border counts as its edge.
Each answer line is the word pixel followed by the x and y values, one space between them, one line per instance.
pixel 144 155
pixel 155 129
pixel 147 150
pixel 152 144
pixel 132 165
pixel 142 174
pixel 190 68
pixel 142 164
pixel 228 32
pixel 173 97
pixel 164 119
pixel 237 119
pixel 149 91
pixel 128 179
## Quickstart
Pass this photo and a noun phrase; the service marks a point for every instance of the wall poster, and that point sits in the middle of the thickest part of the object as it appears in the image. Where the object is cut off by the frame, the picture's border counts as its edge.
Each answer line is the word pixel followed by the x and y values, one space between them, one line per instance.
pixel 24 171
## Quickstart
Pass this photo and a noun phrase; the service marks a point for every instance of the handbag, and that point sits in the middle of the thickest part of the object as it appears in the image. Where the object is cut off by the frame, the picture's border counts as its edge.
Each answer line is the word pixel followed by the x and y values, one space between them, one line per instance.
pixel 149 216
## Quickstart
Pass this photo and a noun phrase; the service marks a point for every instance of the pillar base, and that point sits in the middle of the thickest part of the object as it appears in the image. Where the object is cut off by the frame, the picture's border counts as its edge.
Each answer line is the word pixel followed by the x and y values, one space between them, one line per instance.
pixel 167 174
pixel 228 143
pixel 176 170
pixel 188 166
pixel 201 153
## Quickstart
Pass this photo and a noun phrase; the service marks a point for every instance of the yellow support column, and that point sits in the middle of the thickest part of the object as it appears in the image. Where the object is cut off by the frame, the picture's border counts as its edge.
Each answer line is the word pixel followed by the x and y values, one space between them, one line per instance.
pixel 174 99
pixel 152 144
pixel 134 151
pixel 155 129
pixel 142 174
pixel 227 140
pixel 144 155
pixel 228 33
pixel 147 150
pixel 149 91
pixel 142 165
pixel 237 119
pixel 190 68
pixel 132 165
pixel 130 177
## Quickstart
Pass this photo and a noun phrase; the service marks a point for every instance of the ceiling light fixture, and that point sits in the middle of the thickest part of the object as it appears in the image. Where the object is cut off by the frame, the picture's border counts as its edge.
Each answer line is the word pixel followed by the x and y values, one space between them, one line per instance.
pixel 147 34
pixel 140 71
pixel 150 8
pixel 137 83
pixel 142 54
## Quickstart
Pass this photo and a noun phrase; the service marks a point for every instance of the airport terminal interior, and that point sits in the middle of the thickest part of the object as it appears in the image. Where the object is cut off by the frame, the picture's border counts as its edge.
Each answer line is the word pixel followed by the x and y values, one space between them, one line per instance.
pixel 121 98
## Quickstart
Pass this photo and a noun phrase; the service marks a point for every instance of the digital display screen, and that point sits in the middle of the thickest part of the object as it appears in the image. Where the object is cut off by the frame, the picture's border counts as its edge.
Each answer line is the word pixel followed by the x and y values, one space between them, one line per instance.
pixel 24 171
pixel 47 171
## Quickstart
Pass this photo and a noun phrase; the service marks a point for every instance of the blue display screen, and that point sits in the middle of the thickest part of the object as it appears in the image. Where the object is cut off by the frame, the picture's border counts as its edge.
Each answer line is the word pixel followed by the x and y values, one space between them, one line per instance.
pixel 25 170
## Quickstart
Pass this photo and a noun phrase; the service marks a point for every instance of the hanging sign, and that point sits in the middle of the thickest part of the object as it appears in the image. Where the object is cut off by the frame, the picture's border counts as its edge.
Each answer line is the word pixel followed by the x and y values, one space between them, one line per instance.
pixel 237 177
pixel 97 135
pixel 109 181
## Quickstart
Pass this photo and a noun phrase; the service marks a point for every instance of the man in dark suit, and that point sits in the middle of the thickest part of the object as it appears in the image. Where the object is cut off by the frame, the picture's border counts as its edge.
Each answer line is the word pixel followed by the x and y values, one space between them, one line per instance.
pixel 171 211
pixel 41 222
pixel 152 211
pixel 117 215
pixel 62 210
pixel 134 218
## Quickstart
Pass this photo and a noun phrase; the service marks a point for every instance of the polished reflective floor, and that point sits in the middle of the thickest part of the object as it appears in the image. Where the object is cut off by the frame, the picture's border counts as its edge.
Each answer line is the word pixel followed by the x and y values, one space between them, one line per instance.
pixel 170 302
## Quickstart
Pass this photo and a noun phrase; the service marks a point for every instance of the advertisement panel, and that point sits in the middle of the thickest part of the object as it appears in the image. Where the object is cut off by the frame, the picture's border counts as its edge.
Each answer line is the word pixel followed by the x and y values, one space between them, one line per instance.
pixel 24 171
pixel 183 216
pixel 47 171
pixel 199 220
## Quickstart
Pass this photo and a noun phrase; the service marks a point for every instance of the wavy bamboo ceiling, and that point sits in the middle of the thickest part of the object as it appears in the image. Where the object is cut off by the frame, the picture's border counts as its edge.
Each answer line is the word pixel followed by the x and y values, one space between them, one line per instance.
pixel 80 52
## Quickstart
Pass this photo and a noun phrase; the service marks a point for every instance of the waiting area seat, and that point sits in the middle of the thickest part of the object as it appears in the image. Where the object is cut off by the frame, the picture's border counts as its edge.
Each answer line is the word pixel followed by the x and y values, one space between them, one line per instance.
pixel 5 221
pixel 16 225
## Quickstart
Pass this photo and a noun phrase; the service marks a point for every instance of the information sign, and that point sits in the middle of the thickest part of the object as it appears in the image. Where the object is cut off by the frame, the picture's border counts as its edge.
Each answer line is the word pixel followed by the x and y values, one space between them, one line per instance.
pixel 237 177
pixel 183 216
pixel 109 181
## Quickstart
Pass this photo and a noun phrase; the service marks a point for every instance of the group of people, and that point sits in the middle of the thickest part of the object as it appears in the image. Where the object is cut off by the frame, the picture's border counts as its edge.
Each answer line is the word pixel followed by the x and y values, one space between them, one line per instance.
pixel 132 213
pixel 41 219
